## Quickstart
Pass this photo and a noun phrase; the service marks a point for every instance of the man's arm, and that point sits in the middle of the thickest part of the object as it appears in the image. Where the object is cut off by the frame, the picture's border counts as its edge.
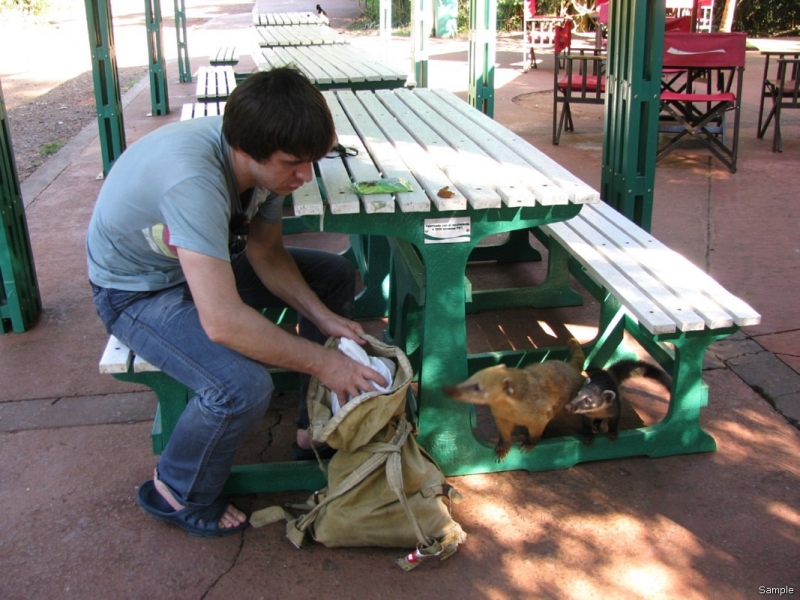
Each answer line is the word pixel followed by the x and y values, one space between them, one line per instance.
pixel 229 321
pixel 277 270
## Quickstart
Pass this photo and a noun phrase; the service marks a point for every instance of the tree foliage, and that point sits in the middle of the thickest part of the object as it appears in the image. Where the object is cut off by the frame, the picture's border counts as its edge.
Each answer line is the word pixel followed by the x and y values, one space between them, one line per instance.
pixel 759 18
pixel 766 18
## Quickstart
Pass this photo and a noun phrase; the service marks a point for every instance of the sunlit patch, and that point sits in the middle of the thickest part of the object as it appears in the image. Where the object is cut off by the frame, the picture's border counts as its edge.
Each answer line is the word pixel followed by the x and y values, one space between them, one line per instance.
pixel 547 329
pixel 650 581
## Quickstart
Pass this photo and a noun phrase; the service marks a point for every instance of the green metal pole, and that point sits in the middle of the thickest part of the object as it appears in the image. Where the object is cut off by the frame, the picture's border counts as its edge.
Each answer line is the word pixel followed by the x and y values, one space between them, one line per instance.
pixel 106 82
pixel 633 90
pixel 158 71
pixel 421 31
pixel 482 34
pixel 183 49
pixel 20 302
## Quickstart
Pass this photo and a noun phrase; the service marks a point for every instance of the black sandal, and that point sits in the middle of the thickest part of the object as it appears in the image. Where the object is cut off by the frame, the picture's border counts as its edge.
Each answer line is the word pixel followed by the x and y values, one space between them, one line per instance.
pixel 200 522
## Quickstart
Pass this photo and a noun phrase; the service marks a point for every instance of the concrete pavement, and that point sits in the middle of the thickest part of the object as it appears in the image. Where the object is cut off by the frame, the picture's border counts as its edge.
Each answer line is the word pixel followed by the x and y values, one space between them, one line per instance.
pixel 75 444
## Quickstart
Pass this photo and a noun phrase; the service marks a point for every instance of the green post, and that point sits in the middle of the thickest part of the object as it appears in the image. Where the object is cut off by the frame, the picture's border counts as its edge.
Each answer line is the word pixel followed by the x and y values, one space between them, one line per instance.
pixel 421 31
pixel 106 82
pixel 482 34
pixel 633 91
pixel 184 69
pixel 20 302
pixel 158 71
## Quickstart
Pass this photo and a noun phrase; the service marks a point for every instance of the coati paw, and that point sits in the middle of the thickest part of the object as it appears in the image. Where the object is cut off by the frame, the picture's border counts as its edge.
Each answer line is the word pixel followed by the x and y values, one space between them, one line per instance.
pixel 500 451
pixel 588 440
pixel 529 445
pixel 612 436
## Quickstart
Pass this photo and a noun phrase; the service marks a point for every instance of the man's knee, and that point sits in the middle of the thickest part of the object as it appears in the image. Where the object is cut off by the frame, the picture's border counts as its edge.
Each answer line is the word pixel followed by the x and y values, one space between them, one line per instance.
pixel 248 391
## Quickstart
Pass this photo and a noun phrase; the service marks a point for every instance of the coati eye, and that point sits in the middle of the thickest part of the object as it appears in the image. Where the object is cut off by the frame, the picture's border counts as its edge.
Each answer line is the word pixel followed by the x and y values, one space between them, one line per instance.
pixel 477 387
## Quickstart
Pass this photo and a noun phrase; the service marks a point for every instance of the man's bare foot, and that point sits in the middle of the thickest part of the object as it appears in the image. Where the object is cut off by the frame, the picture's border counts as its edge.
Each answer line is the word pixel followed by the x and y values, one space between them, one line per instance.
pixel 233 517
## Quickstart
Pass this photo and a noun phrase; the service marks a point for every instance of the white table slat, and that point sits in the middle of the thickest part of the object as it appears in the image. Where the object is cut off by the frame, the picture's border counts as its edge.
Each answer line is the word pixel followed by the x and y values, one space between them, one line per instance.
pixel 383 153
pixel 430 177
pixel 288 18
pixel 513 167
pixel 647 312
pixel 339 72
pixel 467 177
pixel 360 166
pixel 342 198
pixel 385 70
pixel 307 200
pixel 366 66
pixel 577 191
pixel 298 35
pixel 717 305
pixel 281 56
pixel 310 67
pixel 472 156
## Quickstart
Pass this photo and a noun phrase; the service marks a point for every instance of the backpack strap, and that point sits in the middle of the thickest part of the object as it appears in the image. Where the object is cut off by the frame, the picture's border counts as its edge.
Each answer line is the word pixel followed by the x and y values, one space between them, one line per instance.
pixel 296 529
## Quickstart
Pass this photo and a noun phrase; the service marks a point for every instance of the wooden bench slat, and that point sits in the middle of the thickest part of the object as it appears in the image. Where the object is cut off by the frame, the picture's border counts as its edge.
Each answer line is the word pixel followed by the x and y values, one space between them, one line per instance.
pixel 214 83
pixel 226 55
pixel 647 312
pixel 197 110
pixel 635 270
pixel 659 271
pixel 116 357
pixel 684 276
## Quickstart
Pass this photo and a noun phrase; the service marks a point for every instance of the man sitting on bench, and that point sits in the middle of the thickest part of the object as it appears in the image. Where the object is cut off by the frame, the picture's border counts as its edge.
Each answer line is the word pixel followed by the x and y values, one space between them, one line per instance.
pixel 167 282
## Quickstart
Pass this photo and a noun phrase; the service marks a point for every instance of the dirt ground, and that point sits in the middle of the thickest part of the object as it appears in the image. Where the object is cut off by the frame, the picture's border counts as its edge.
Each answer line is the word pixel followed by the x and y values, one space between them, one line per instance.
pixel 46 69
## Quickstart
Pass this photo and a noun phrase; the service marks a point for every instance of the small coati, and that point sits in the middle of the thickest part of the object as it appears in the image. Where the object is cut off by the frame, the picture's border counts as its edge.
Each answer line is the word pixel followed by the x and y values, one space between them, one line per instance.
pixel 530 397
pixel 599 398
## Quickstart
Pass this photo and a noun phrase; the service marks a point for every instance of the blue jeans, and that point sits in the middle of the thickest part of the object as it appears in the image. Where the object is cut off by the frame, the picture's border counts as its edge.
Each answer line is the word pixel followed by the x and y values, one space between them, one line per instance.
pixel 232 391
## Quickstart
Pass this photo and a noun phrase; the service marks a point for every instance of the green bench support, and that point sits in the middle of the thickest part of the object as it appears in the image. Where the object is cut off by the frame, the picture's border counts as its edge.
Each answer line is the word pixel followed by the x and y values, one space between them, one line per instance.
pixel 173 396
pixel 644 291
pixel 20 302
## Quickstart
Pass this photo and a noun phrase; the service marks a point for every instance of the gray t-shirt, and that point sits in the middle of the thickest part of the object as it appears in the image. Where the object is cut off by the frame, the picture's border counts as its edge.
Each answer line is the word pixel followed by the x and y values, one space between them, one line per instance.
pixel 175 187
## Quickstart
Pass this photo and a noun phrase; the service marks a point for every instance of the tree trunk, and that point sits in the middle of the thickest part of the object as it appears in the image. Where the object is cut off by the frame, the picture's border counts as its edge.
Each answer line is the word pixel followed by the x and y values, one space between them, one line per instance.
pixel 726 23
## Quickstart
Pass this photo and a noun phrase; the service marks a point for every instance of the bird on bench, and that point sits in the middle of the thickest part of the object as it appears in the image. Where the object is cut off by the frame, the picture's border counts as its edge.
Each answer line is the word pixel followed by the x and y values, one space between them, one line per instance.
pixel 323 15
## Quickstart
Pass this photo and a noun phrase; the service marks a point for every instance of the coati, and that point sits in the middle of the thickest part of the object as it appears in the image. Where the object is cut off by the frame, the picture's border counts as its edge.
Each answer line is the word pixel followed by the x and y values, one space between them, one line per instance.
pixel 599 398
pixel 530 397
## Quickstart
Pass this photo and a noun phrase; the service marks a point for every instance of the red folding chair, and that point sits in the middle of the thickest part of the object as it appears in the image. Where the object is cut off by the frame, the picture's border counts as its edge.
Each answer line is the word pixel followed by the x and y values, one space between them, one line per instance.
pixel 678 24
pixel 714 63
pixel 584 82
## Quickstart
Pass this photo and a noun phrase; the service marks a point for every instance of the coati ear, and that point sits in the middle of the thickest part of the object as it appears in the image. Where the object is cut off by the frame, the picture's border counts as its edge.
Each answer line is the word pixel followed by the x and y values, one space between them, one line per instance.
pixel 508 386
pixel 609 395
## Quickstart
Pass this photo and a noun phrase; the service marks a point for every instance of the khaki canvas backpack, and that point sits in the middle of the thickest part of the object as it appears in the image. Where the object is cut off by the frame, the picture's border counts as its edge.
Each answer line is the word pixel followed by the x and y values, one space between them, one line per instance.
pixel 383 488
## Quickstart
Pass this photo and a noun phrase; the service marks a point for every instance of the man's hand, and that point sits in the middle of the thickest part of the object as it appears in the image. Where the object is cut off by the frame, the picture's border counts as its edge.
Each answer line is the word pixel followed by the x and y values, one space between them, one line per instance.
pixel 347 377
pixel 336 326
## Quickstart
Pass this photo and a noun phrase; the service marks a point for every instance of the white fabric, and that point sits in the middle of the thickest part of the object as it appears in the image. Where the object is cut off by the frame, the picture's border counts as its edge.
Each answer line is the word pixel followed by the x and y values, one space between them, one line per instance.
pixel 382 365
